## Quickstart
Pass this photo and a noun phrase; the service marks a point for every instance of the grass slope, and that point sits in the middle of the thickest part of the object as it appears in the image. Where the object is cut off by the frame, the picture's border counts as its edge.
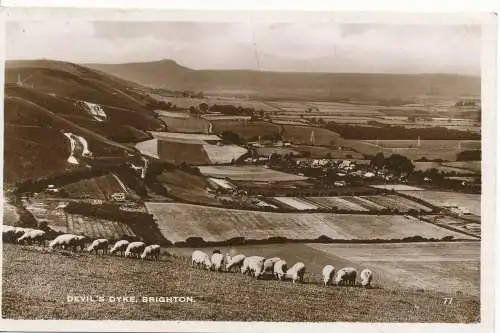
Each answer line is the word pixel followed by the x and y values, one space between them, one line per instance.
pixel 218 296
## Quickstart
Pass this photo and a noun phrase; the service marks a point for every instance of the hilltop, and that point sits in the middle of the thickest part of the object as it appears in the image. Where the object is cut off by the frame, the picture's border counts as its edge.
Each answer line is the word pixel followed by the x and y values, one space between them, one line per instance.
pixel 45 99
pixel 297 85
pixel 217 296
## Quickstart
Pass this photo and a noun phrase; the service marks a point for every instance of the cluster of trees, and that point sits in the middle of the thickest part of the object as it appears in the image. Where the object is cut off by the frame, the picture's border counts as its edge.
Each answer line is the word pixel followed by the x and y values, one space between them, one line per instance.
pixel 396 164
pixel 388 132
pixel 466 103
pixel 469 155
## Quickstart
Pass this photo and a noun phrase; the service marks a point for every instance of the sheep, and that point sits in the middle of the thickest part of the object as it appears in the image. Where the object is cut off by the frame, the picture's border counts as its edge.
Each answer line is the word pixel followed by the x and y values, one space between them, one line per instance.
pixel 296 272
pixel 347 276
pixel 80 241
pixel 120 247
pixel 328 274
pixel 152 252
pixel 32 236
pixel 217 261
pixel 366 277
pixel 254 264
pixel 9 233
pixel 279 269
pixel 63 241
pixel 269 264
pixel 99 244
pixel 200 258
pixel 134 249
pixel 234 262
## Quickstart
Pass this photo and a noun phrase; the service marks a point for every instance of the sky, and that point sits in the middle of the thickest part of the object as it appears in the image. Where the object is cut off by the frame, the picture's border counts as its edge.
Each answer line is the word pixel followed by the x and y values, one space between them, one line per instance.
pixel 288 46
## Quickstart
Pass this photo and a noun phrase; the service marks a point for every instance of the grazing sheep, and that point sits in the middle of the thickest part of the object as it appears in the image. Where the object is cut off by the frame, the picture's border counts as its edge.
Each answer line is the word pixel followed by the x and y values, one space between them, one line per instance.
pixel 32 236
pixel 234 262
pixel 99 244
pixel 366 277
pixel 280 269
pixel 134 249
pixel 152 252
pixel 346 276
pixel 80 242
pixel 253 265
pixel 269 265
pixel 120 246
pixel 63 241
pixel 328 274
pixel 296 272
pixel 217 261
pixel 200 258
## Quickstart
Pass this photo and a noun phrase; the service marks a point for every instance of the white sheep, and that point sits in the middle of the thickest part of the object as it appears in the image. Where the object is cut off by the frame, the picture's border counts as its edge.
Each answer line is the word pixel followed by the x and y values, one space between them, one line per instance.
pixel 296 272
pixel 217 261
pixel 134 249
pixel 366 277
pixel 234 262
pixel 99 244
pixel 253 265
pixel 32 236
pixel 63 241
pixel 269 264
pixel 120 246
pixel 152 252
pixel 200 258
pixel 280 269
pixel 346 276
pixel 328 274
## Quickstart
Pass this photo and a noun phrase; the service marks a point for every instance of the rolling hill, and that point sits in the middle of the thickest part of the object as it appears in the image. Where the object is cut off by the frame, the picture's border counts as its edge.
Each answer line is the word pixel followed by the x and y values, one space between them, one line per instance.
pixel 45 99
pixel 320 86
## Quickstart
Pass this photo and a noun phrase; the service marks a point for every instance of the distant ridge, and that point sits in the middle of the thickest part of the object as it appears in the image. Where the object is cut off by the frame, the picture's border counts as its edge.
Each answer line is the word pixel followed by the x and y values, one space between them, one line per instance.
pixel 297 85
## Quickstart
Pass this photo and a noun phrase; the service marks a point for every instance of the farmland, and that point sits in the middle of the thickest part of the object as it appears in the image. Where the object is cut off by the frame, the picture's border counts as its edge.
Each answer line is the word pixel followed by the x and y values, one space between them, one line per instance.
pixel 255 173
pixel 52 213
pixel 248 130
pixel 304 135
pixel 467 165
pixel 215 224
pixel 184 123
pixel 468 226
pixel 101 187
pixel 471 202
pixel 218 296
pixel 423 166
pixel 322 152
pixel 447 267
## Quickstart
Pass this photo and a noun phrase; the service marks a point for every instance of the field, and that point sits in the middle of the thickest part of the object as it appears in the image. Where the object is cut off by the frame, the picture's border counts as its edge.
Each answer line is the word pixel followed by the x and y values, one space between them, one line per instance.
pixel 248 130
pixel 217 296
pixel 223 154
pixel 101 187
pixel 470 227
pixel 185 123
pixel 251 173
pixel 216 224
pixel 185 137
pixel 148 148
pixel 423 166
pixel 186 102
pixel 266 151
pixel 431 149
pixel 180 152
pixel 304 135
pixel 447 267
pixel 397 187
pixel 471 202
pixel 52 213
pixel 467 165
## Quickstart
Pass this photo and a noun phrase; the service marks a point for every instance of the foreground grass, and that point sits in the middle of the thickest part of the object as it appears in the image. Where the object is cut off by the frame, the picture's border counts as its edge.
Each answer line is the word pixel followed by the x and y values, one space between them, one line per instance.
pixel 36 283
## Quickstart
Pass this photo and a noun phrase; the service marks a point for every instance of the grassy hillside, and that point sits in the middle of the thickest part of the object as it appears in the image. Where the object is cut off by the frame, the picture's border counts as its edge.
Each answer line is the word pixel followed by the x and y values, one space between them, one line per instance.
pixel 321 86
pixel 217 296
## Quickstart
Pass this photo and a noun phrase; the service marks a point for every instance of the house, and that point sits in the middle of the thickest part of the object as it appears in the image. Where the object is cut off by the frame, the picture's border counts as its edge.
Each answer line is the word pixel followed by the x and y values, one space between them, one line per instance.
pixel 118 196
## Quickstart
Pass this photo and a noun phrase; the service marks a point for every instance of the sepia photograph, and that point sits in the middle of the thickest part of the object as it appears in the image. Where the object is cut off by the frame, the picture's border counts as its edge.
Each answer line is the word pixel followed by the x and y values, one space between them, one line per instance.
pixel 244 168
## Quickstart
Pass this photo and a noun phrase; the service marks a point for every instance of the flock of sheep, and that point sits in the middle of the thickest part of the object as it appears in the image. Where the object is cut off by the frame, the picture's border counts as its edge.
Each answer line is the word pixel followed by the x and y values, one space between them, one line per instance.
pixel 254 265
pixel 258 266
pixel 74 242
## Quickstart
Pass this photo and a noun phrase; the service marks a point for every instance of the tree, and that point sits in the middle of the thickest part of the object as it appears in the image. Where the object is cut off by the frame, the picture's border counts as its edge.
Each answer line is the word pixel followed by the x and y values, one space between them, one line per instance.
pixel 399 164
pixel 231 137
pixel 203 107
pixel 378 161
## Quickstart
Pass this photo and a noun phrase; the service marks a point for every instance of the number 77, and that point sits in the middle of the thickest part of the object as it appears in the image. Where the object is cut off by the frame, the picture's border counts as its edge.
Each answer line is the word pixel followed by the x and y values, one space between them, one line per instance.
pixel 447 300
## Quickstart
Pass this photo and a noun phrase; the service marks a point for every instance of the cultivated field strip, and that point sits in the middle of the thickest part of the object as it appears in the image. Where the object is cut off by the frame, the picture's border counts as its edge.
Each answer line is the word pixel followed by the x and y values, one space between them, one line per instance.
pixel 101 187
pixel 396 202
pixel 471 202
pixel 178 222
pixel 296 203
pixel 186 124
pixel 223 154
pixel 338 203
pixel 247 129
pixel 251 173
pixel 148 148
pixel 310 135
